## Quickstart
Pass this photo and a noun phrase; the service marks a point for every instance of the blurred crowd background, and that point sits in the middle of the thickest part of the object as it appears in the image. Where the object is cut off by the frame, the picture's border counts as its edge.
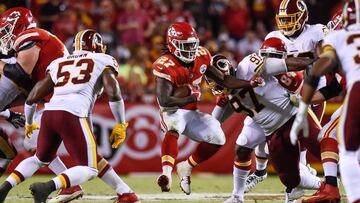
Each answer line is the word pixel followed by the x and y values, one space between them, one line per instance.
pixel 134 30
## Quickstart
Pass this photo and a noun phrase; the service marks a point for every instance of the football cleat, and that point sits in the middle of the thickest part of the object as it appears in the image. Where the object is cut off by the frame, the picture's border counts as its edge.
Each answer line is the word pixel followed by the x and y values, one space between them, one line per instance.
pixel 326 193
pixel 295 194
pixel 252 180
pixel 184 172
pixel 127 198
pixel 234 199
pixel 40 191
pixel 164 182
pixel 68 194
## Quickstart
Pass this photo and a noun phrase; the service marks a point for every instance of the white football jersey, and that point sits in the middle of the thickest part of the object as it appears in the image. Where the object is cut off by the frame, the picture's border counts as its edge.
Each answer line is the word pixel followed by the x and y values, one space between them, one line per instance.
pixel 269 105
pixel 303 45
pixel 78 81
pixel 347 46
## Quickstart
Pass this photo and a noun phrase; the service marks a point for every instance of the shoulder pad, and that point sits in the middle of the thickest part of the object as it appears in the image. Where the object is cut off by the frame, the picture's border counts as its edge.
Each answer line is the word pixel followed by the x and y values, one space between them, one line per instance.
pixel 30 35
pixel 161 67
pixel 203 52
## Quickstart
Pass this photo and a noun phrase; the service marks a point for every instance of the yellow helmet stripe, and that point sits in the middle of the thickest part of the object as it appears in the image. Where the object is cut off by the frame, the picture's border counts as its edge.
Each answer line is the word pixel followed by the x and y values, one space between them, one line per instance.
pixel 284 4
pixel 78 40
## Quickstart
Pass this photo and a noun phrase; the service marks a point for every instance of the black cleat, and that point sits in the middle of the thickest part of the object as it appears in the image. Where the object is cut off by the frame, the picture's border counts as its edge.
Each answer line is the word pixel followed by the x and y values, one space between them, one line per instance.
pixel 41 191
pixel 4 190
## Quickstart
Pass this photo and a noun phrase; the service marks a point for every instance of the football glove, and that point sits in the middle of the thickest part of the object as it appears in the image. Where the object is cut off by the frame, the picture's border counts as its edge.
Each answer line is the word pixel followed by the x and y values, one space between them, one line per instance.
pixel 300 123
pixel 118 134
pixel 30 128
pixel 16 119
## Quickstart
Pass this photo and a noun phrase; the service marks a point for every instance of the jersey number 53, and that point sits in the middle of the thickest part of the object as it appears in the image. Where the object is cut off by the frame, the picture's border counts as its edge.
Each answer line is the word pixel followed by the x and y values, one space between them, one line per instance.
pixel 84 76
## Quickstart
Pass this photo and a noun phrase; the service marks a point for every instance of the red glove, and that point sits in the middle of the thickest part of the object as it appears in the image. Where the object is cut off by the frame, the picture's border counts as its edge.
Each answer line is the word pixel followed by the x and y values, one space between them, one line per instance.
pixel 196 92
pixel 257 81
pixel 222 100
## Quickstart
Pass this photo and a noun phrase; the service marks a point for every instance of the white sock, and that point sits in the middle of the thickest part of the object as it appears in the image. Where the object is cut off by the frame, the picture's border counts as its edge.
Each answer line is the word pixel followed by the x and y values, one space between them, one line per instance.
pixel 239 182
pixel 115 182
pixel 330 169
pixel 166 169
pixel 261 157
pixel 303 157
pixel 308 180
pixel 350 174
pixel 57 166
pixel 74 176
pixel 24 170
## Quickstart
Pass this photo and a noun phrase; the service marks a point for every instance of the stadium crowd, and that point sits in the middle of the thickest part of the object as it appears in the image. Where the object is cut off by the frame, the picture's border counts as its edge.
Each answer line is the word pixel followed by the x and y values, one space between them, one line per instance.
pixel 133 30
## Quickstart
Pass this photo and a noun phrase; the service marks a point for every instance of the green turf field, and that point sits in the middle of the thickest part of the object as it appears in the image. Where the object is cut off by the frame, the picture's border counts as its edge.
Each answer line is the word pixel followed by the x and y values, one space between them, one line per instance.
pixel 205 188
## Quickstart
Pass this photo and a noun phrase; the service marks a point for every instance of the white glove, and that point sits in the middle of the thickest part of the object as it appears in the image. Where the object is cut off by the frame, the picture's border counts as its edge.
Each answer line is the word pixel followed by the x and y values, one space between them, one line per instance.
pixel 294 99
pixel 300 123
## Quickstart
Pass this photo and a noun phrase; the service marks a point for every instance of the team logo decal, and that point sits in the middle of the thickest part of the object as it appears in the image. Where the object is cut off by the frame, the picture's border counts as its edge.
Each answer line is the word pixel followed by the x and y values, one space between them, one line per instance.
pixel 203 68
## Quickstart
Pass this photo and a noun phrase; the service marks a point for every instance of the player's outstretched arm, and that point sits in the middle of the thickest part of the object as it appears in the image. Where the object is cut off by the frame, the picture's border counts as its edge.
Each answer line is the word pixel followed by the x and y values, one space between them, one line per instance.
pixel 164 91
pixel 229 81
pixel 117 106
pixel 40 90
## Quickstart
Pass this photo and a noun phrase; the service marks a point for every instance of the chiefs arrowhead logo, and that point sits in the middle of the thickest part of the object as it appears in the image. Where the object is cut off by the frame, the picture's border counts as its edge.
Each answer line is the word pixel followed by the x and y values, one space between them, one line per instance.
pixel 13 16
pixel 173 33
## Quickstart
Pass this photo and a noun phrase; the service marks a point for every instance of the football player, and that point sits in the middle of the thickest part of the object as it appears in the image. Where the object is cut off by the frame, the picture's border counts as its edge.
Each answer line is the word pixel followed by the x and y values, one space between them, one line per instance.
pixel 34 50
pixel 271 109
pixel 82 77
pixel 184 64
pixel 301 40
pixel 341 51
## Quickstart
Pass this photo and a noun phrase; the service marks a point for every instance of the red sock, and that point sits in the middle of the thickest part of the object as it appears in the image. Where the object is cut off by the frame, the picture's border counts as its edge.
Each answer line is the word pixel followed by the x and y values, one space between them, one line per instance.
pixel 329 150
pixel 169 149
pixel 202 153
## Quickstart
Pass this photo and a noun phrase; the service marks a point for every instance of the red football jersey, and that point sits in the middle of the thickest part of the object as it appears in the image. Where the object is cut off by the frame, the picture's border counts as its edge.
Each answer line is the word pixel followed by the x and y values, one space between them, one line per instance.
pixel 51 49
pixel 169 68
pixel 292 81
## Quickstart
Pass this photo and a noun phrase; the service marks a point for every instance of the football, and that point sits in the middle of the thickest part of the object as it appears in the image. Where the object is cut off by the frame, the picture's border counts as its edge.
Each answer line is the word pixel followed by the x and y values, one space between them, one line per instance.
pixel 181 91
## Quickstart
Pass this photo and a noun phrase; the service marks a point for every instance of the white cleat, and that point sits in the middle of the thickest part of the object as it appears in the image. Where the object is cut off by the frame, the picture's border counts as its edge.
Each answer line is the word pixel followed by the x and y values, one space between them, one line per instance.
pixel 234 199
pixel 295 194
pixel 164 182
pixel 184 172
pixel 252 180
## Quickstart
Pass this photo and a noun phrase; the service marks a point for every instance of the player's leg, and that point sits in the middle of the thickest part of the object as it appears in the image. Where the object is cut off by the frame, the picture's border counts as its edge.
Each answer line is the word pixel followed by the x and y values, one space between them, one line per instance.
pixel 349 139
pixel 109 176
pixel 7 151
pixel 251 135
pixel 329 158
pixel 172 124
pixel 205 129
pixel 80 143
pixel 48 144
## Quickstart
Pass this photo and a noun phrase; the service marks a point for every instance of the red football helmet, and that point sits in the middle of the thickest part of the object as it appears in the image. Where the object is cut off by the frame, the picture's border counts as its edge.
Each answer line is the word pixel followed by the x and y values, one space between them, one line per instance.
pixel 291 17
pixel 274 48
pixel 292 81
pixel 12 23
pixel 351 13
pixel 336 21
pixel 182 41
pixel 89 40
pixel 221 63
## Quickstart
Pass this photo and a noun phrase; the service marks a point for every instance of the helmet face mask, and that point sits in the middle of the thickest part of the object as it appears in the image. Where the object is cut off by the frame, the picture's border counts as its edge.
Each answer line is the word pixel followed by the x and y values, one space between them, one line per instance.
pixel 186 49
pixel 12 23
pixel 291 17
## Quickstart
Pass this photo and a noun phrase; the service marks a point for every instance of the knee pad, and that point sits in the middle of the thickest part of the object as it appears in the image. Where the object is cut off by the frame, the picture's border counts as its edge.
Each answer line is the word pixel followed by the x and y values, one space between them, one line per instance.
pixel 243 153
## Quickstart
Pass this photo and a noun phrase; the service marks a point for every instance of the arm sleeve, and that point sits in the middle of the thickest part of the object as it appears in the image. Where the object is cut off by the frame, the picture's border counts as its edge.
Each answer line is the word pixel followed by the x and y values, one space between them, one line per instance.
pixel 29 111
pixel 332 90
pixel 118 110
pixel 274 66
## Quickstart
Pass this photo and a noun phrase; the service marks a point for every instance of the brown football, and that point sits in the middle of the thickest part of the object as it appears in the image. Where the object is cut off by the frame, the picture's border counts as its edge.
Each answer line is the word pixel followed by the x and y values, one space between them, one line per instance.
pixel 181 91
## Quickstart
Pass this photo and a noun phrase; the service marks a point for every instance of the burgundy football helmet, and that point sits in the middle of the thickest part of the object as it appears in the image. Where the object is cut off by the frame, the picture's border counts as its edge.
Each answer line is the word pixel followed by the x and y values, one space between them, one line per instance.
pixel 273 47
pixel 12 23
pixel 351 13
pixel 291 17
pixel 221 63
pixel 89 40
pixel 182 41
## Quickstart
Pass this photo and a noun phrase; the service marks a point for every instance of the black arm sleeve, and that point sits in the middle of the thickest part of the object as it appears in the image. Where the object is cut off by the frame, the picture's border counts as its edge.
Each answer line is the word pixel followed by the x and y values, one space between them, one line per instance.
pixel 15 73
pixel 332 90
